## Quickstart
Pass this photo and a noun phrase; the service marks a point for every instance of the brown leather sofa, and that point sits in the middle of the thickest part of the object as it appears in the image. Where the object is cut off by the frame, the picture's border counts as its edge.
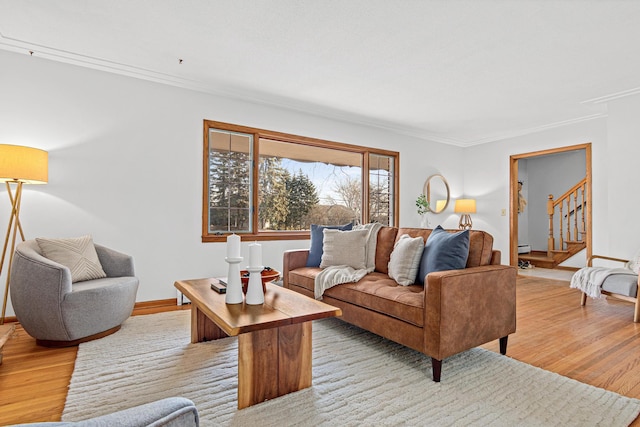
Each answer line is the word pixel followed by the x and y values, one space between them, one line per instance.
pixel 454 311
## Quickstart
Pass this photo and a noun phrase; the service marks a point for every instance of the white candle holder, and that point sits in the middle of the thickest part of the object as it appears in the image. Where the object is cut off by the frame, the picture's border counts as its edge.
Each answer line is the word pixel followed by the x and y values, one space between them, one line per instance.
pixel 234 283
pixel 255 294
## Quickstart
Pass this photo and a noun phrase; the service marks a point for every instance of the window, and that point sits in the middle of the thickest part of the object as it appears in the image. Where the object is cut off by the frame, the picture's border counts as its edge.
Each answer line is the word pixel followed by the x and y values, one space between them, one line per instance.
pixel 266 185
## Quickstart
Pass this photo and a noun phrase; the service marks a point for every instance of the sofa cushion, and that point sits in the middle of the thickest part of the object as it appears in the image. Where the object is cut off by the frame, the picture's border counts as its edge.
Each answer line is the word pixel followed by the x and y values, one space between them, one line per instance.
pixel 317 236
pixel 444 251
pixel 344 248
pixel 480 248
pixel 304 277
pixel 624 284
pixel 376 291
pixel 77 254
pixel 384 247
pixel 405 259
pixel 480 244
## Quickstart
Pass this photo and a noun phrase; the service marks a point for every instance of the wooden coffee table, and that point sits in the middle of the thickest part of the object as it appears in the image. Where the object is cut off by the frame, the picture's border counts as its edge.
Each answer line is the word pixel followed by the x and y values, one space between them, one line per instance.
pixel 274 339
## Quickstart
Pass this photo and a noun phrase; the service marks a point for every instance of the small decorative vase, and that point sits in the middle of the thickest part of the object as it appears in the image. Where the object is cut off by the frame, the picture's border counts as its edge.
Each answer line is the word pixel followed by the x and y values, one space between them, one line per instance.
pixel 234 283
pixel 424 221
pixel 255 294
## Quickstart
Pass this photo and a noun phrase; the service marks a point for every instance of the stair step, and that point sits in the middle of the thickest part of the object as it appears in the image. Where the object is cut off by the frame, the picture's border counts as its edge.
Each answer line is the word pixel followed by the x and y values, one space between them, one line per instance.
pixel 540 262
pixel 534 257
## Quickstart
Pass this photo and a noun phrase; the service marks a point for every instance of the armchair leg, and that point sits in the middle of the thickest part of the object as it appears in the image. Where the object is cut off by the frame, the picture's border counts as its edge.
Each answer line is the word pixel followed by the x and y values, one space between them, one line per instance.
pixel 636 311
pixel 437 369
pixel 583 299
pixel 503 345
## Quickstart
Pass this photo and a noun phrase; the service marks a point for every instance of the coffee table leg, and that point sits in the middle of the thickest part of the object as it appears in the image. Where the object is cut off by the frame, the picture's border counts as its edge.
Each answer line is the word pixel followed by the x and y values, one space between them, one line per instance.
pixel 257 367
pixel 203 328
pixel 273 362
pixel 294 358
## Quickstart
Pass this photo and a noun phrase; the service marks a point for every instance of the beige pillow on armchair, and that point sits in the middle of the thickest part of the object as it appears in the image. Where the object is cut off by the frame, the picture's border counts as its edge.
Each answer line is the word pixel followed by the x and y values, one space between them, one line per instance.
pixel 77 254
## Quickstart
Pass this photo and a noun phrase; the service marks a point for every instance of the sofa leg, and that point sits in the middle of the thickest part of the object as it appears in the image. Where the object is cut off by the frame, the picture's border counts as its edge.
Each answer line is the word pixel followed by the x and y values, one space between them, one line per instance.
pixel 503 345
pixel 437 369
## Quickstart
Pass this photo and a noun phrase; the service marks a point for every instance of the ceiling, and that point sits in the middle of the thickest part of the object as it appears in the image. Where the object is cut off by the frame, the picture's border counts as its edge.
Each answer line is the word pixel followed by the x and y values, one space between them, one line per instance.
pixel 457 72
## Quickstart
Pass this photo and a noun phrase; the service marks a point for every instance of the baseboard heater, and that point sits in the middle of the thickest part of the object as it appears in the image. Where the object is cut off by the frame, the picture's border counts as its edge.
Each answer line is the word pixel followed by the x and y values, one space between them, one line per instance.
pixel 524 249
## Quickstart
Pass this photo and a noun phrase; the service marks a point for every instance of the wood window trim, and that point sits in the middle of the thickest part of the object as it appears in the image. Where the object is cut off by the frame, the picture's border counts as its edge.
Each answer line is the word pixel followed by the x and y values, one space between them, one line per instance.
pixel 295 139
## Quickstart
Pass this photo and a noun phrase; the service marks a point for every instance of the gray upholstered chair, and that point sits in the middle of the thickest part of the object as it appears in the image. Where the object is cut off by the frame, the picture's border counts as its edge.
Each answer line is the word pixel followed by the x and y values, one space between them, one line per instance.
pixel 170 412
pixel 57 312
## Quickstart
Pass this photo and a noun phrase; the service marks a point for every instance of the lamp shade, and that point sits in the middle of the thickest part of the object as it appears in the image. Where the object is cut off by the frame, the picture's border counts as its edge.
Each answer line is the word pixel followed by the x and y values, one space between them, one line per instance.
pixel 467 206
pixel 440 205
pixel 24 164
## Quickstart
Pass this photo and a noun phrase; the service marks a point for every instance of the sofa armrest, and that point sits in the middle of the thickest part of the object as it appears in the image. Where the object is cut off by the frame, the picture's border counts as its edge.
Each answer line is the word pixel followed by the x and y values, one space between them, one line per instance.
pixel 292 259
pixel 38 280
pixel 38 285
pixel 114 263
pixel 469 307
pixel 496 257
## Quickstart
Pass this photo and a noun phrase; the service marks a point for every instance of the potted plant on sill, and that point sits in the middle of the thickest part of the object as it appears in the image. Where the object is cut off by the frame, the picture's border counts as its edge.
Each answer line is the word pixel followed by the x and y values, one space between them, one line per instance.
pixel 423 208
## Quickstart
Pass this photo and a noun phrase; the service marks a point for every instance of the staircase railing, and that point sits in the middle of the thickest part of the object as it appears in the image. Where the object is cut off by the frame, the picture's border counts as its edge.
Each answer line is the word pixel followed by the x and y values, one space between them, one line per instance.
pixel 574 201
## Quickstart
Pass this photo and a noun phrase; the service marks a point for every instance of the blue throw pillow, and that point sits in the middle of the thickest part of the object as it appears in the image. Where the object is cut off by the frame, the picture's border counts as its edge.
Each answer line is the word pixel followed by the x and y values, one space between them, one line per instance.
pixel 444 251
pixel 315 251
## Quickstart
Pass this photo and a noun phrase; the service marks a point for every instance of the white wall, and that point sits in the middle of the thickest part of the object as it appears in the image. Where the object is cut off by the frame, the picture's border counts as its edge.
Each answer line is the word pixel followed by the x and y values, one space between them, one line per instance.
pixel 125 164
pixel 615 171
pixel 125 159
pixel 487 176
pixel 554 174
pixel 623 172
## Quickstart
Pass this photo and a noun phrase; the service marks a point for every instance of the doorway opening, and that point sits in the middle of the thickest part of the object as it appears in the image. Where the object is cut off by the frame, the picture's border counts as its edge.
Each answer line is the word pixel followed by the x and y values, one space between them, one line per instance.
pixel 553 226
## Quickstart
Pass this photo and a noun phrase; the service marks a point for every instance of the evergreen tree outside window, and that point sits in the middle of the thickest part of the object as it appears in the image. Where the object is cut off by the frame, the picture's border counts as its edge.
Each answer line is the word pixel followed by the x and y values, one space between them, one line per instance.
pixel 229 183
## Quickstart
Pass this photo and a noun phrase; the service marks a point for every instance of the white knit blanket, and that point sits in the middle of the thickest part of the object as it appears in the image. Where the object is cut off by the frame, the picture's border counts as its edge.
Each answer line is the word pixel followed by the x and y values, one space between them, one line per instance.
pixel 590 279
pixel 338 274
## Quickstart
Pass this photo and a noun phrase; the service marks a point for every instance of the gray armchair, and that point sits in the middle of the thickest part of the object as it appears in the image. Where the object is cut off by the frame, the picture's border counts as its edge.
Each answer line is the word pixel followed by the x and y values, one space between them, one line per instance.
pixel 170 412
pixel 57 312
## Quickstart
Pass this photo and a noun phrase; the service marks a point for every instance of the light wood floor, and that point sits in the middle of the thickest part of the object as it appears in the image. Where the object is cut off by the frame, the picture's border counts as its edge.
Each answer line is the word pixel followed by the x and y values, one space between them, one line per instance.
pixel 597 345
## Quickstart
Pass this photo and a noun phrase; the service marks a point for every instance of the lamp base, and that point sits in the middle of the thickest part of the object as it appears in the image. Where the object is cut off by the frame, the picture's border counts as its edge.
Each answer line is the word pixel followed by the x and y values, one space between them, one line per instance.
pixel 465 222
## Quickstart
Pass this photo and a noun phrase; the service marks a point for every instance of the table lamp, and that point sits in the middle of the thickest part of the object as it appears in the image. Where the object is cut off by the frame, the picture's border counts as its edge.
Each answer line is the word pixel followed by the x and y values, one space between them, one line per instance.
pixel 465 207
pixel 18 165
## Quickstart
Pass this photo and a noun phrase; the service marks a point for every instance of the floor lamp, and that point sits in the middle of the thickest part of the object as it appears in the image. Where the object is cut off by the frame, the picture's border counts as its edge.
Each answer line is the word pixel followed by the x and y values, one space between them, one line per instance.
pixel 18 165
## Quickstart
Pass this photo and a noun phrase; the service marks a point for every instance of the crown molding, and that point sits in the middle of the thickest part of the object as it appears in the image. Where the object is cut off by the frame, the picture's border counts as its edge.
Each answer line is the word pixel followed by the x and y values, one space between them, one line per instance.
pixel 532 130
pixel 59 55
pixel 46 52
pixel 613 96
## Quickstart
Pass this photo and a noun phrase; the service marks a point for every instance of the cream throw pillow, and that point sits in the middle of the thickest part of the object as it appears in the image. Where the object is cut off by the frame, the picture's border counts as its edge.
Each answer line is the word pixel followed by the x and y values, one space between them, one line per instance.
pixel 77 254
pixel 405 259
pixel 344 248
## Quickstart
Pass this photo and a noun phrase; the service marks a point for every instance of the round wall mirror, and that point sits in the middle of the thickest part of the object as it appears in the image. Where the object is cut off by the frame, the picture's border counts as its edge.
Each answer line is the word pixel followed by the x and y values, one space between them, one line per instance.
pixel 436 190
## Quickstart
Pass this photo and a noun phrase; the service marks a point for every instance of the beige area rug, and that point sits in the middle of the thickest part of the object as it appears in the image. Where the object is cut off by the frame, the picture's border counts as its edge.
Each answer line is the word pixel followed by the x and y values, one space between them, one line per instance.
pixel 358 379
